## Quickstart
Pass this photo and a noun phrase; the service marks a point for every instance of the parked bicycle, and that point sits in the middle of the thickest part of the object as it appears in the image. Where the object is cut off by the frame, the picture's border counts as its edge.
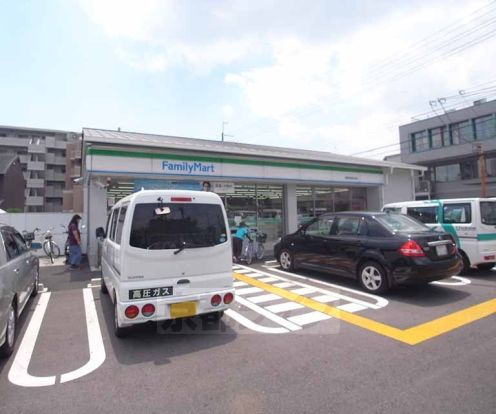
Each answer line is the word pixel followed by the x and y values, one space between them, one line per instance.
pixel 49 246
pixel 253 246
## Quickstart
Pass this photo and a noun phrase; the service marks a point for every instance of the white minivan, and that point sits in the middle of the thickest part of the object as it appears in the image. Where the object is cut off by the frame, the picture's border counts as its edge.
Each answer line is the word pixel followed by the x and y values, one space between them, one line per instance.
pixel 471 222
pixel 166 254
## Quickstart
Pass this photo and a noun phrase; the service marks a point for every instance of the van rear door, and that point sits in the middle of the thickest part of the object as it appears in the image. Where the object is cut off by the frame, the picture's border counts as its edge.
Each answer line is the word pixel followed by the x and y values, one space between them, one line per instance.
pixel 185 241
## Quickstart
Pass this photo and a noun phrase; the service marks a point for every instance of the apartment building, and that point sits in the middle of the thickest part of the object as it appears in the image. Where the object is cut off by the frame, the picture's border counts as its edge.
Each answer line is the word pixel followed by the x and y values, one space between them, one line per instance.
pixel 42 153
pixel 449 144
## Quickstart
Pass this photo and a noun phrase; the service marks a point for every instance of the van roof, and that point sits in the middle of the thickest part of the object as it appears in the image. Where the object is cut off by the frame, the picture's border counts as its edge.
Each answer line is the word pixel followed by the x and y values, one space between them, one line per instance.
pixel 148 194
pixel 437 201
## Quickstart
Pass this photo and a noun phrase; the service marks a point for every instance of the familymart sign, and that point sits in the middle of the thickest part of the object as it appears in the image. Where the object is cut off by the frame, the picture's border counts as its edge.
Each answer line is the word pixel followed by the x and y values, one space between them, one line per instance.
pixel 109 162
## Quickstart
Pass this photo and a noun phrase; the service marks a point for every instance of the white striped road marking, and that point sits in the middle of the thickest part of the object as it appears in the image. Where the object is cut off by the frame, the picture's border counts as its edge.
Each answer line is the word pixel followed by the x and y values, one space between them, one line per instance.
pixel 325 298
pixel 269 315
pixel 248 291
pixel 284 307
pixel 18 373
pixel 351 307
pixel 308 318
pixel 379 302
pixel 303 291
pixel 270 262
pixel 461 281
pixel 95 341
pixel 267 279
pixel 264 298
pixel 239 284
pixel 284 285
pixel 252 325
pixel 244 270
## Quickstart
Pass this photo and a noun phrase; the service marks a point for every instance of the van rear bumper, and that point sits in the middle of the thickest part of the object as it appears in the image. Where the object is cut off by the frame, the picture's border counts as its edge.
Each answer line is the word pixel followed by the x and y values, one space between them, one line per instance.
pixel 163 305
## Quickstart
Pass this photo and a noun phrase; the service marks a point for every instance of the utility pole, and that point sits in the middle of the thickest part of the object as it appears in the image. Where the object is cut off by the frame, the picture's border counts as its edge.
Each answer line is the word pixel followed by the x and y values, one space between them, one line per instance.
pixel 482 169
pixel 223 135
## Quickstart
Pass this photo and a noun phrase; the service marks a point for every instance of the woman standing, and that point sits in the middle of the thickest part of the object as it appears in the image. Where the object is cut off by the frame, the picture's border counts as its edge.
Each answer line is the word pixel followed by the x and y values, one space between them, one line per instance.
pixel 74 241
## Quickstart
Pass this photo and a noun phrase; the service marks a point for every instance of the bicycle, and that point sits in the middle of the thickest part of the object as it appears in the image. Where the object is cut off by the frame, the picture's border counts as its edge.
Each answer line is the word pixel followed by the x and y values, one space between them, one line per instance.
pixel 253 246
pixel 51 249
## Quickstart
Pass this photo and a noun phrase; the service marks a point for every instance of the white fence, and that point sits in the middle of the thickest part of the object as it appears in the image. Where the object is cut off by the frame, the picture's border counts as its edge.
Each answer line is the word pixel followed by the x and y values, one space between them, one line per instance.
pixel 55 222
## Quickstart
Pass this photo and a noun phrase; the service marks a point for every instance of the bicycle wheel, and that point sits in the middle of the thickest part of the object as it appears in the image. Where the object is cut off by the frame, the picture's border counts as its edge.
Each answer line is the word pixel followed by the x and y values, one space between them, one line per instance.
pixel 46 247
pixel 260 251
pixel 55 250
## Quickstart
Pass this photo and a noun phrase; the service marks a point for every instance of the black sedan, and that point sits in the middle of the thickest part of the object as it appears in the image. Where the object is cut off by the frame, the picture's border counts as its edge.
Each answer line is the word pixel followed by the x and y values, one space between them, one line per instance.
pixel 381 250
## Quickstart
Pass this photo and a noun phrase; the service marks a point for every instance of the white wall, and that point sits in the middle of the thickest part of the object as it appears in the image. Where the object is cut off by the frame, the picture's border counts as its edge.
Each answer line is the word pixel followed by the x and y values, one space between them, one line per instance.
pixel 55 222
pixel 96 205
pixel 399 186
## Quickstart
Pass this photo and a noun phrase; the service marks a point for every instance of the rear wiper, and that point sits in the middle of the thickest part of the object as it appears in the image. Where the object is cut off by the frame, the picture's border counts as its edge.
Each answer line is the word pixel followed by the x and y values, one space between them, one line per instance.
pixel 180 249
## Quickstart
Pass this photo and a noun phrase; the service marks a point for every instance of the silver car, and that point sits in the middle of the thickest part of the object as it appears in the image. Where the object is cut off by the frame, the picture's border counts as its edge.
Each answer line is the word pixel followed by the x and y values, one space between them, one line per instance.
pixel 19 278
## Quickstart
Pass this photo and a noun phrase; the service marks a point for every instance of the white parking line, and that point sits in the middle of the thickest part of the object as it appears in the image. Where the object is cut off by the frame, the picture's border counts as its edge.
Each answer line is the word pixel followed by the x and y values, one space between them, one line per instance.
pixel 269 315
pixel 284 307
pixel 308 318
pixel 461 281
pixel 252 325
pixel 264 298
pixel 379 302
pixel 18 373
pixel 303 291
pixel 248 291
pixel 284 285
pixel 95 341
pixel 351 307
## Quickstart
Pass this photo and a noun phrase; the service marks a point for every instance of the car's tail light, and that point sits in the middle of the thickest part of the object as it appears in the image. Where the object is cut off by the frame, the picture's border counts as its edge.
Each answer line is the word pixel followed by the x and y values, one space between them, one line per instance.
pixel 228 298
pixel 148 310
pixel 181 199
pixel 411 249
pixel 131 312
pixel 216 300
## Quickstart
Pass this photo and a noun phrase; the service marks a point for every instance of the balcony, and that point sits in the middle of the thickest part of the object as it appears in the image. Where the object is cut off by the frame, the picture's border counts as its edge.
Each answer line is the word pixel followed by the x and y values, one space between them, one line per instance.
pixel 59 160
pixel 35 183
pixel 34 201
pixel 36 165
pixel 14 142
pixel 54 176
pixel 52 192
pixel 36 149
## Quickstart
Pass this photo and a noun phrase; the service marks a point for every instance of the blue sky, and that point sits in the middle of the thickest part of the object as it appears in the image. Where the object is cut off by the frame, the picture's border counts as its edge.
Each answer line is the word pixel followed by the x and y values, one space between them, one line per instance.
pixel 322 75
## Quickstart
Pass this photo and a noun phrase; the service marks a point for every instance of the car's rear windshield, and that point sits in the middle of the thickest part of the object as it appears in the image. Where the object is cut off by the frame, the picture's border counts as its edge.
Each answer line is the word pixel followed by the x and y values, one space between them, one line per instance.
pixel 188 225
pixel 402 223
pixel 488 212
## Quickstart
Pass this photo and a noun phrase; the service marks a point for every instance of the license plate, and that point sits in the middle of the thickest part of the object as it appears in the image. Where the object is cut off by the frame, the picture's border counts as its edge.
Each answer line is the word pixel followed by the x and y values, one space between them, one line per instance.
pixel 150 293
pixel 442 250
pixel 182 310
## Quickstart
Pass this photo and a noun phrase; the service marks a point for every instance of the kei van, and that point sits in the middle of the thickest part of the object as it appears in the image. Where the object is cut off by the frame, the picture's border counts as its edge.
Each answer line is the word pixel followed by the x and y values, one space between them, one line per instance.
pixel 166 254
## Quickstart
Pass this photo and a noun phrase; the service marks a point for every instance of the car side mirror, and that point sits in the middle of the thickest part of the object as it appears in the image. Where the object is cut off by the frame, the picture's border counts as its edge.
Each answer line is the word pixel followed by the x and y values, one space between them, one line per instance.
pixel 100 233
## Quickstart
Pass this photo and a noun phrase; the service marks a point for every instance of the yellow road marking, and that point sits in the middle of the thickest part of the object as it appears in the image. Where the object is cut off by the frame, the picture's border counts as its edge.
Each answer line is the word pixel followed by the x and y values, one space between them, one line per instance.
pixel 410 336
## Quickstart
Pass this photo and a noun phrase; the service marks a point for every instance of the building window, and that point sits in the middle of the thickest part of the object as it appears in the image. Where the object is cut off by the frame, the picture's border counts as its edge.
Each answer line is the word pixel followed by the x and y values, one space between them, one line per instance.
pixel 491 167
pixel 461 132
pixel 469 169
pixel 420 141
pixel 445 173
pixel 485 127
pixel 436 137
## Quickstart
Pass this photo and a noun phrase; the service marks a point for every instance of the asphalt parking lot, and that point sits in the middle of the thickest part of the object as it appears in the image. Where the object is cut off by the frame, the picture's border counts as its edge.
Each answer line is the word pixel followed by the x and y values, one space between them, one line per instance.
pixel 303 342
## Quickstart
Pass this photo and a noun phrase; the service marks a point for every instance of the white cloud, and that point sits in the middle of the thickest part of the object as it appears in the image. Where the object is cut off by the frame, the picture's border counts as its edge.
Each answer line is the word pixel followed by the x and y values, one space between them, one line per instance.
pixel 321 77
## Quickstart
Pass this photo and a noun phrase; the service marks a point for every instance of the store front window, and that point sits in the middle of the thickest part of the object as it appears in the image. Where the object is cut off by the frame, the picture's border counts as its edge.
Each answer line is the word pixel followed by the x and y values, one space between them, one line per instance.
pixel 259 206
pixel 314 201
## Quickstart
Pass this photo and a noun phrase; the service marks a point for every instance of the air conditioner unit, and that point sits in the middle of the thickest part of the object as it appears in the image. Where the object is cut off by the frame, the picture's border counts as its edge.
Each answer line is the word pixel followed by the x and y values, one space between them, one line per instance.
pixel 480 101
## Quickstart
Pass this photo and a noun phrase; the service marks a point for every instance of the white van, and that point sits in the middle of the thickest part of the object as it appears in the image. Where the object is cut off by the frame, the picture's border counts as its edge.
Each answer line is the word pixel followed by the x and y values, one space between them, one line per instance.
pixel 471 222
pixel 166 254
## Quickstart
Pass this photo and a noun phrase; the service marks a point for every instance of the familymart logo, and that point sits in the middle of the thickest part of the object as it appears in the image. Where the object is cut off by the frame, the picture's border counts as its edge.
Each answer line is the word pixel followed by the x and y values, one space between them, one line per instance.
pixel 188 167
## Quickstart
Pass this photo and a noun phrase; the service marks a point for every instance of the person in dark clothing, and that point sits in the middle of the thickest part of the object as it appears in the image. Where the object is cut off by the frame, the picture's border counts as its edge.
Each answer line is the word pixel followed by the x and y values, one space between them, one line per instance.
pixel 74 242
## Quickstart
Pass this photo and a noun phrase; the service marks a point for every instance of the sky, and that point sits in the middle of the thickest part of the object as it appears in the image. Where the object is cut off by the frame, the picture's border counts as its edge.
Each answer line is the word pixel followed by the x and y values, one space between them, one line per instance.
pixel 325 75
